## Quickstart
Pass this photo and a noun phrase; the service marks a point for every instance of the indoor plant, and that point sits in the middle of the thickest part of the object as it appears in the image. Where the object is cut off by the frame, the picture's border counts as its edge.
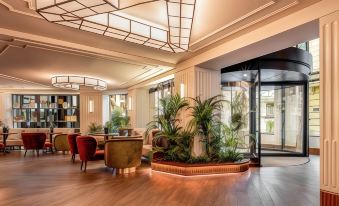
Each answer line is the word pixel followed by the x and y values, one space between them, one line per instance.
pixel 117 121
pixel 94 127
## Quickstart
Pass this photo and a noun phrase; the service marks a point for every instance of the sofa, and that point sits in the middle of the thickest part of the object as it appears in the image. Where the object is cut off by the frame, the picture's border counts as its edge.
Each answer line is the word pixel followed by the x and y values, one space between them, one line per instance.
pixel 16 140
pixel 147 146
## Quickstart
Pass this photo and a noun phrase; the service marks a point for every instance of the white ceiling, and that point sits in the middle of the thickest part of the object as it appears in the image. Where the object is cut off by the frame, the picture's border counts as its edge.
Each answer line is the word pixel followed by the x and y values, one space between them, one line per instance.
pixel 212 15
pixel 39 64
pixel 124 64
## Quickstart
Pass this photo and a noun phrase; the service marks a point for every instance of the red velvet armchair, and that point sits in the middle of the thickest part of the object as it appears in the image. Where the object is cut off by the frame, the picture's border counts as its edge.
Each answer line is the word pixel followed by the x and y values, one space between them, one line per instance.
pixel 33 141
pixel 2 147
pixel 72 141
pixel 87 147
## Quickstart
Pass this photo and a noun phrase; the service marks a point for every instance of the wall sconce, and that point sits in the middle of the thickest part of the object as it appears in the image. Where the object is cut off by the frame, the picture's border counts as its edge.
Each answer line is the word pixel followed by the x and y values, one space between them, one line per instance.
pixel 129 103
pixel 182 90
pixel 91 106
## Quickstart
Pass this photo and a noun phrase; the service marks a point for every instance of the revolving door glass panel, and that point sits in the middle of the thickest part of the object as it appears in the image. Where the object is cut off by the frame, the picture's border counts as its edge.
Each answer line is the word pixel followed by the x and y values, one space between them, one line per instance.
pixel 282 119
pixel 239 96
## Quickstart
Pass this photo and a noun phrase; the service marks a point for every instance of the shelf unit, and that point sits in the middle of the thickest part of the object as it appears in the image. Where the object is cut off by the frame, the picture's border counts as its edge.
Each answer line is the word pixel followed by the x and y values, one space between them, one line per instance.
pixel 33 111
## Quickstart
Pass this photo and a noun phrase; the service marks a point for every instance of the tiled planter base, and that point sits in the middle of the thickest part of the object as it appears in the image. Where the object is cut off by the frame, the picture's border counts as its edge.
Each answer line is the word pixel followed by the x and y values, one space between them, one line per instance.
pixel 200 169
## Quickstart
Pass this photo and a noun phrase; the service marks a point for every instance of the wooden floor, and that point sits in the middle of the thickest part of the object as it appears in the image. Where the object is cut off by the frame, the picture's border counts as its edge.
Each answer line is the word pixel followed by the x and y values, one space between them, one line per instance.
pixel 54 180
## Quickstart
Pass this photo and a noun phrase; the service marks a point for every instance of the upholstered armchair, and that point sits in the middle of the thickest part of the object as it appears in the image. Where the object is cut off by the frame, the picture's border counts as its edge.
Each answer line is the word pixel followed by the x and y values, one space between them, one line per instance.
pixel 61 143
pixel 2 147
pixel 123 154
pixel 87 147
pixel 33 141
pixel 72 142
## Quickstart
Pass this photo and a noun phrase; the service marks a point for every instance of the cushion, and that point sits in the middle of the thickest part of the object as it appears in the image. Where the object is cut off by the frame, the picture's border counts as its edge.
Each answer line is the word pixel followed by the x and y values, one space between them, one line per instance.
pixel 146 149
pixel 14 142
pixel 47 144
pixel 99 154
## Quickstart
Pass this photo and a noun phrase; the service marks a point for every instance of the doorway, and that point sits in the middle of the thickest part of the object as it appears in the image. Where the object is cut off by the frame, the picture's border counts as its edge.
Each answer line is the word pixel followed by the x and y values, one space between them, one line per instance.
pixel 282 119
pixel 276 88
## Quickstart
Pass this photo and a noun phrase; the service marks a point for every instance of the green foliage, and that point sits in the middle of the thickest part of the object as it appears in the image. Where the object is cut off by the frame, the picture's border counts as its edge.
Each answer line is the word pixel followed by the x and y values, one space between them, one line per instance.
pixel 220 141
pixel 199 159
pixel 238 116
pixel 205 115
pixel 94 127
pixel 178 141
pixel 270 126
pixel 118 120
pixel 230 144
pixel 179 147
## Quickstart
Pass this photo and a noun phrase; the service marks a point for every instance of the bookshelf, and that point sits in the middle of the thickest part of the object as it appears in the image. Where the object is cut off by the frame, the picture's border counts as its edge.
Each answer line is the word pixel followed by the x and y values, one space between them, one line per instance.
pixel 33 111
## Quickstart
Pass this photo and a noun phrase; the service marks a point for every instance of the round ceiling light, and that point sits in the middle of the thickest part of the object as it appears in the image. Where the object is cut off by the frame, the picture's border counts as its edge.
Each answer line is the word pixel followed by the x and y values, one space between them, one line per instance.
pixel 74 82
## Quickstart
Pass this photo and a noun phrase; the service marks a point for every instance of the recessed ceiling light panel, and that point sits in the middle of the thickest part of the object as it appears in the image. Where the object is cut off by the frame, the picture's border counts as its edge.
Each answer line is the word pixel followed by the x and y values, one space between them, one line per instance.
pixel 74 82
pixel 98 16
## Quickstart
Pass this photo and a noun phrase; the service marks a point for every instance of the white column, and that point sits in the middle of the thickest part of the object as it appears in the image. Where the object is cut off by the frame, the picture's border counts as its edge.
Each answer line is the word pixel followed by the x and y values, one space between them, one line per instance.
pixel 197 82
pixel 329 105
pixel 90 109
pixel 139 111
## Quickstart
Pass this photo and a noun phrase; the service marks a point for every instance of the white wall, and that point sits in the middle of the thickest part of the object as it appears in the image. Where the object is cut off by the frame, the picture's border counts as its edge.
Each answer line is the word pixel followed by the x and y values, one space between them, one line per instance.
pixel 6 109
pixel 87 117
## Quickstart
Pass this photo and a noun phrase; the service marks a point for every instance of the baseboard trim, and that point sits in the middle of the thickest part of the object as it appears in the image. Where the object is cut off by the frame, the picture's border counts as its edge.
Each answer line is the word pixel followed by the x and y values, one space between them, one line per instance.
pixel 328 198
pixel 314 151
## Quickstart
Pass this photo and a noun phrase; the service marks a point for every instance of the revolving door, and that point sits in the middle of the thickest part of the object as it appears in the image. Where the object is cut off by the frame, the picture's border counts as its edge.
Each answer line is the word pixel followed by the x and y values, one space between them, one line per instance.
pixel 275 89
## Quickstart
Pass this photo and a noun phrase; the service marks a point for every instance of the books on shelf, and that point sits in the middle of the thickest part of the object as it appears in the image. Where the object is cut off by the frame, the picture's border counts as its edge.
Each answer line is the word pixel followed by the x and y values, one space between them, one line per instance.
pixel 70 118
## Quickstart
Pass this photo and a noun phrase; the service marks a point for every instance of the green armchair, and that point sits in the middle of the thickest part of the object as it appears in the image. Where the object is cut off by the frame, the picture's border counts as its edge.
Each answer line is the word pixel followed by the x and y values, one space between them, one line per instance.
pixel 61 143
pixel 123 154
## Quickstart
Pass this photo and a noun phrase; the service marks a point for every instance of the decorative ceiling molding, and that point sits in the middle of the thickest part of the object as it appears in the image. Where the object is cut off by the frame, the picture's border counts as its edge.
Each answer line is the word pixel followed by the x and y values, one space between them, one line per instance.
pixel 251 13
pixel 266 16
pixel 8 44
pixel 58 44
pixel 147 72
pixel 101 17
pixel 30 3
pixel 22 81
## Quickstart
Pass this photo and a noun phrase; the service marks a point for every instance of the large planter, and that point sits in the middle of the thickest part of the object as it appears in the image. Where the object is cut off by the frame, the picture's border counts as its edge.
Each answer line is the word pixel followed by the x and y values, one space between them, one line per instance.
pixel 200 169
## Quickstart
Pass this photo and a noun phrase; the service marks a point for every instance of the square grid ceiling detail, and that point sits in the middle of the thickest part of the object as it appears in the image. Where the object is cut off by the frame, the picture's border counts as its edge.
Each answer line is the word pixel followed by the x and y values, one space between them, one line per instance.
pixel 104 17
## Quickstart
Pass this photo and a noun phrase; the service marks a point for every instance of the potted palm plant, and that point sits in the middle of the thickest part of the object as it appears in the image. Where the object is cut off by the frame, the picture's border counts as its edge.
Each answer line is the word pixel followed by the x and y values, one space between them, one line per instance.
pixel 205 119
pixel 172 141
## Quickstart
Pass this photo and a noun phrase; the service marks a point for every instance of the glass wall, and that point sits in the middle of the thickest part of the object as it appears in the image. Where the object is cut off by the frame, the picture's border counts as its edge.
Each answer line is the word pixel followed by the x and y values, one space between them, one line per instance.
pixel 314 93
pixel 282 118
pixel 242 94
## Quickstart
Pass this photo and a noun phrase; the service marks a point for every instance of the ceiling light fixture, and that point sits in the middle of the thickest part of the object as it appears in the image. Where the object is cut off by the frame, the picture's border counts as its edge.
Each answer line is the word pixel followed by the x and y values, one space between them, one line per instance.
pixel 102 17
pixel 74 82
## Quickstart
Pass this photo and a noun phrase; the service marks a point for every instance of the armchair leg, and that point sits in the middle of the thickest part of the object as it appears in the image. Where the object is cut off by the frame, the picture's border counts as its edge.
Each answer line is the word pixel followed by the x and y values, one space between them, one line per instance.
pixel 25 152
pixel 73 158
pixel 85 166
pixel 82 163
pixel 37 151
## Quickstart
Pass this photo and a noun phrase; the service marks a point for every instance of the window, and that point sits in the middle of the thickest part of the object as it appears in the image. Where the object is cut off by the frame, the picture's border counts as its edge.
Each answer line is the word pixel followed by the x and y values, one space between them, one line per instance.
pixel 269 109
pixel 118 102
pixel 158 92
